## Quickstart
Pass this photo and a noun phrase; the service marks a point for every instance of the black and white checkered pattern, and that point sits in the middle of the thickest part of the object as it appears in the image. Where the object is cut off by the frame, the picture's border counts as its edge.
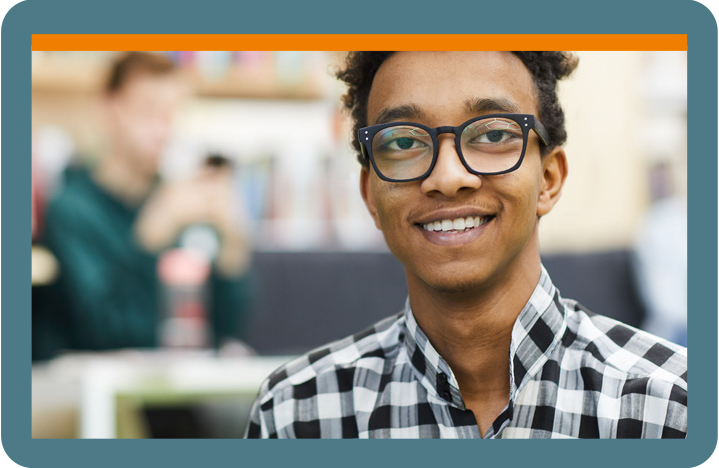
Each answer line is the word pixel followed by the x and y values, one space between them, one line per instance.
pixel 573 374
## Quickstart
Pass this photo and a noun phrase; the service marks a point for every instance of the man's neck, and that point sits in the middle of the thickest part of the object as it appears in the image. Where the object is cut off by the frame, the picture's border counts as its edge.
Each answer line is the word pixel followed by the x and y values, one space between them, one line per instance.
pixel 122 179
pixel 472 330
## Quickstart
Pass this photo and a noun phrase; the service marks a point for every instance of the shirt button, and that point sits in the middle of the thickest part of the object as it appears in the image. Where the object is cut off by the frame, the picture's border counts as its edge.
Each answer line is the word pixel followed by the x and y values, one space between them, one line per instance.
pixel 443 386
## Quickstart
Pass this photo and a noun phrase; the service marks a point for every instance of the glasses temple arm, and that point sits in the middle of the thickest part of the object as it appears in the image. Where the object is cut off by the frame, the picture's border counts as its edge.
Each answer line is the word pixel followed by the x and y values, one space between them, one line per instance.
pixel 541 130
pixel 363 150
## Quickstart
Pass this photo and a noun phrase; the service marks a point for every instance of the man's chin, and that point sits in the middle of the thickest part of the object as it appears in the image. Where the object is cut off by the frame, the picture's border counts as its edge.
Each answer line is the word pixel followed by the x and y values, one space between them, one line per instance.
pixel 457 288
pixel 454 285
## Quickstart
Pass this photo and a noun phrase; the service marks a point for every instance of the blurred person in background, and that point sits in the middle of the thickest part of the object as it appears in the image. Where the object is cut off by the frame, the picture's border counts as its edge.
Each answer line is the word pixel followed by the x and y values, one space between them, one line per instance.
pixel 110 223
pixel 659 258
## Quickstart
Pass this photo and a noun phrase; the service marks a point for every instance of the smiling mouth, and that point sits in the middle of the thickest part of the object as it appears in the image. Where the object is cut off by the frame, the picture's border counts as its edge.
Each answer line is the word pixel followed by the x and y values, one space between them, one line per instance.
pixel 456 225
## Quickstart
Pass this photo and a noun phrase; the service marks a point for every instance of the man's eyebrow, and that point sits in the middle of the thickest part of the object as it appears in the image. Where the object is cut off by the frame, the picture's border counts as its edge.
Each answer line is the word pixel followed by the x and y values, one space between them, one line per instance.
pixel 393 114
pixel 486 106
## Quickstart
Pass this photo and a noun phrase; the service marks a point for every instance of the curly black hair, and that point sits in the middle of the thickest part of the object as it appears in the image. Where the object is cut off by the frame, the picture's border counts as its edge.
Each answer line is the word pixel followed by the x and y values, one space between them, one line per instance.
pixel 546 68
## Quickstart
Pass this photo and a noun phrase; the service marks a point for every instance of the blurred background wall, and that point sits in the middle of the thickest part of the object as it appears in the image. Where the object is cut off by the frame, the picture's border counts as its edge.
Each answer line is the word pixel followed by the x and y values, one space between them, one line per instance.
pixel 626 121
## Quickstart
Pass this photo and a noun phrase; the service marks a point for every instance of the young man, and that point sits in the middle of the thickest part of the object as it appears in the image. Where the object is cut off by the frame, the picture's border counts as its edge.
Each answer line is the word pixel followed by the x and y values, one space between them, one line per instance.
pixel 110 222
pixel 462 156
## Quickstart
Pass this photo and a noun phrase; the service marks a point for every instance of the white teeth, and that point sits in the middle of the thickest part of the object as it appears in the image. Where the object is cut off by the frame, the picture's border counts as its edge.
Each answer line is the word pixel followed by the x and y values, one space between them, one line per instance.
pixel 459 224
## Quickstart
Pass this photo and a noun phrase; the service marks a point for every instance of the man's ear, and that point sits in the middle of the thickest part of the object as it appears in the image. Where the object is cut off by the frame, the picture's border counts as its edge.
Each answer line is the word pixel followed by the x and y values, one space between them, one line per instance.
pixel 367 196
pixel 554 173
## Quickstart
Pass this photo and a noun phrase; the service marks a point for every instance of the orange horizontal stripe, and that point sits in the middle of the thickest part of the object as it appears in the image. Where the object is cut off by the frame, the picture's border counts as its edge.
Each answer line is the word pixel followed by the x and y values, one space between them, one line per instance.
pixel 157 42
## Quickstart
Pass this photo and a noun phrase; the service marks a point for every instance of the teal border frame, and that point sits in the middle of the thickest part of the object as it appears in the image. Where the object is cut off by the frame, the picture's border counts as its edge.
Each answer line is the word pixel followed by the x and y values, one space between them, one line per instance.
pixel 212 16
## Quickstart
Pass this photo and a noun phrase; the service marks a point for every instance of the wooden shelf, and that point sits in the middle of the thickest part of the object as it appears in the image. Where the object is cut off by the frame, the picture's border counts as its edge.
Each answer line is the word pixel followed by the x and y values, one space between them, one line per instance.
pixel 86 77
pixel 66 77
pixel 237 84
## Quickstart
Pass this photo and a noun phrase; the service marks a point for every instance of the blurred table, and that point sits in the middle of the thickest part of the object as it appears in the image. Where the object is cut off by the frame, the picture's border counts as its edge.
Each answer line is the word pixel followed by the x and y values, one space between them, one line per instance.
pixel 102 395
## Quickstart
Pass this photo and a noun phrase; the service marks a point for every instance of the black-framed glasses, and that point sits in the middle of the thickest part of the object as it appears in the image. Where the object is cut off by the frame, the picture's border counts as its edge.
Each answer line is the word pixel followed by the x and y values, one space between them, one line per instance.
pixel 487 145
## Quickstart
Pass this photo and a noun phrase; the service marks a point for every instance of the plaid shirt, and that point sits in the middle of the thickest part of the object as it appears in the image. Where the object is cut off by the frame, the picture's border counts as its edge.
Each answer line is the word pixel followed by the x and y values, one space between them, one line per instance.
pixel 573 374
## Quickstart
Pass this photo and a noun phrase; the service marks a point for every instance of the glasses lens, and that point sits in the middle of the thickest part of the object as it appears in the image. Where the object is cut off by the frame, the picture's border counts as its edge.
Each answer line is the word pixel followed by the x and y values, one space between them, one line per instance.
pixel 492 144
pixel 402 152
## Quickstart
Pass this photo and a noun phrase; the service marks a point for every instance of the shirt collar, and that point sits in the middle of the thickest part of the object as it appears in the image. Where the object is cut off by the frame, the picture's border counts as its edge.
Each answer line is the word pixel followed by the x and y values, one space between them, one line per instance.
pixel 537 330
pixel 434 372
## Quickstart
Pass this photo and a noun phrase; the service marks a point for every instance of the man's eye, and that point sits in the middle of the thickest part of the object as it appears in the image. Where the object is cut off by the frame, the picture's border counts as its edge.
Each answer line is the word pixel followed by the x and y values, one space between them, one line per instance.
pixel 494 136
pixel 403 144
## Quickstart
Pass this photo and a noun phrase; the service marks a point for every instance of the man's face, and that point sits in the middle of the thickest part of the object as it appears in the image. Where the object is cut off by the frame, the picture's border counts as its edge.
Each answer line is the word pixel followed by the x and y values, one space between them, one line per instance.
pixel 141 115
pixel 445 88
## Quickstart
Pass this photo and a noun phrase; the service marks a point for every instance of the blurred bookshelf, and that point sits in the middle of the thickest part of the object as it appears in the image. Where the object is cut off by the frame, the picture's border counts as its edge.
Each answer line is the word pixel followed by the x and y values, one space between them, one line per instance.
pixel 274 115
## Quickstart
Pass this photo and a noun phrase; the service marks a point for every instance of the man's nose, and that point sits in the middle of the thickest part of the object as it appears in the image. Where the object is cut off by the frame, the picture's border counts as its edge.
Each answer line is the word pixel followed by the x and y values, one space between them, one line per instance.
pixel 449 175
